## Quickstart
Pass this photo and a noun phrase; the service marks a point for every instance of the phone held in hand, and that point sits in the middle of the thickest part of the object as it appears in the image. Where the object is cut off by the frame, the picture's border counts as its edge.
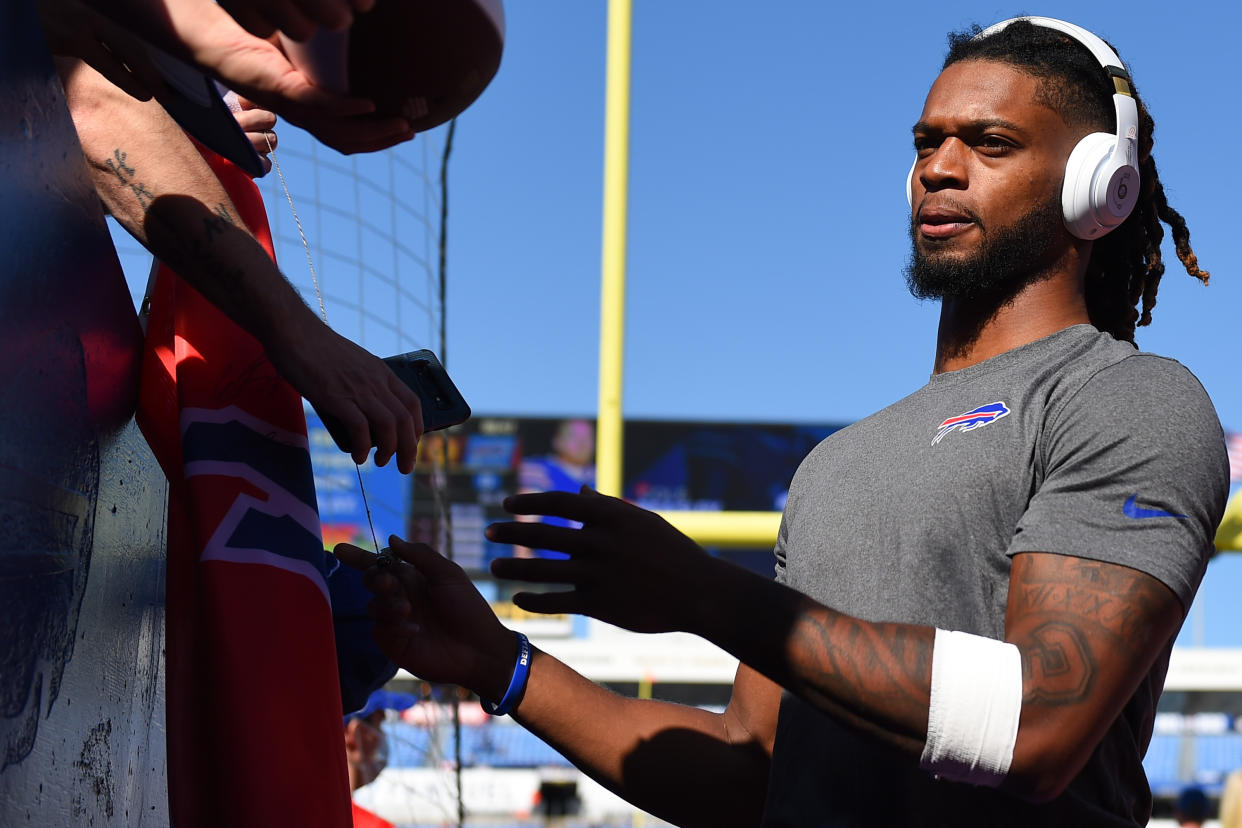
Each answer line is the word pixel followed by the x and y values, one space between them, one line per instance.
pixel 421 371
pixel 442 404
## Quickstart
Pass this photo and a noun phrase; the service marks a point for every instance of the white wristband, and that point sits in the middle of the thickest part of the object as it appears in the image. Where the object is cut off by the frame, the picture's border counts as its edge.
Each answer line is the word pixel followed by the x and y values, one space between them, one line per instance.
pixel 976 701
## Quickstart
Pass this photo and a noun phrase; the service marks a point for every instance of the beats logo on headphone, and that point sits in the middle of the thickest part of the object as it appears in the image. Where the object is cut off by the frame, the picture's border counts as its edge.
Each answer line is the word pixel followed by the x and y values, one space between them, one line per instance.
pixel 1101 176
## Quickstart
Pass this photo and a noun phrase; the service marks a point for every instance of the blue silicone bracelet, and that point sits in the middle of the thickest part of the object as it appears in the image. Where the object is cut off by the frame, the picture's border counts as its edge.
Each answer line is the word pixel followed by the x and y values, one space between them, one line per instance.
pixel 521 671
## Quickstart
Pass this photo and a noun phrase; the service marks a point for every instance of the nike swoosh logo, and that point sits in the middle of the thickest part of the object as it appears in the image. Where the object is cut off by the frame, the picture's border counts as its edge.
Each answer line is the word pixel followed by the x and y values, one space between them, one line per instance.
pixel 1133 510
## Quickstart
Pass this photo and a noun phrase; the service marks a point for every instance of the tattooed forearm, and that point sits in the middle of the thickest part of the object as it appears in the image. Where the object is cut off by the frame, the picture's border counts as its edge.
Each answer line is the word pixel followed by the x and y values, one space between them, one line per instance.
pixel 1068 616
pixel 877 676
pixel 118 166
pixel 184 232
pixel 217 223
pixel 126 175
pixel 189 252
pixel 1057 666
pixel 1107 596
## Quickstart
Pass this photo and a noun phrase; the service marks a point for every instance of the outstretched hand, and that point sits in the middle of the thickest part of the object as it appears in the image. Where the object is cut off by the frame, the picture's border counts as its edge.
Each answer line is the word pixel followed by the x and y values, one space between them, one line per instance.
pixel 431 620
pixel 627 566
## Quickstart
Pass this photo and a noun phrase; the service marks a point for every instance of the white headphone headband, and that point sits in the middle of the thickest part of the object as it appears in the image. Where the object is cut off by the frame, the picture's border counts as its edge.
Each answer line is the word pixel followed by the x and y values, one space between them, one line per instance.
pixel 1106 56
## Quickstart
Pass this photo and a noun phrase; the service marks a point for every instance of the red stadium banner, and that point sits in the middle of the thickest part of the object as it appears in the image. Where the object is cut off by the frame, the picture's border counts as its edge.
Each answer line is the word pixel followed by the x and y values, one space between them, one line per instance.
pixel 255 735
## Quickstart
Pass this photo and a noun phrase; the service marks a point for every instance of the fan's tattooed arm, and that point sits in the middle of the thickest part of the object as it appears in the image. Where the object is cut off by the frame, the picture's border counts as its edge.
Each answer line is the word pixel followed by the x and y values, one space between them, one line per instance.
pixel 158 186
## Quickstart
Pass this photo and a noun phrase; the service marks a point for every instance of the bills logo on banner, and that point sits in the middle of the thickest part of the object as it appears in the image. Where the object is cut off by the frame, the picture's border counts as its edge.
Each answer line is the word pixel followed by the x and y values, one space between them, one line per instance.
pixel 975 418
pixel 255 736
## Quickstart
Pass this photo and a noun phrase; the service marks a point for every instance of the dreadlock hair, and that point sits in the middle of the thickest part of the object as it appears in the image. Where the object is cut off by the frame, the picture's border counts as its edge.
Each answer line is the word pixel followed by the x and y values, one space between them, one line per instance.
pixel 1126 265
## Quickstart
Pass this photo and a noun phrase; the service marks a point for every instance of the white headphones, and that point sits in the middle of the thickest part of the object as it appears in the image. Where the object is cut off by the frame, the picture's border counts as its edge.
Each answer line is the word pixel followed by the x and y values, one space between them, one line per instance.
pixel 1101 176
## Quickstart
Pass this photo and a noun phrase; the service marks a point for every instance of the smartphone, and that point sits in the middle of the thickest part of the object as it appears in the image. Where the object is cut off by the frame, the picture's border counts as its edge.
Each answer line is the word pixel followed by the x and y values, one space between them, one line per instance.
pixel 442 404
pixel 421 371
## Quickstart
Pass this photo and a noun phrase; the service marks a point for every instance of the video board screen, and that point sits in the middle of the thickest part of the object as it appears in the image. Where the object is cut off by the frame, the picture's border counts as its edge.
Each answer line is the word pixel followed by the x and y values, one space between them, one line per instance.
pixel 668 465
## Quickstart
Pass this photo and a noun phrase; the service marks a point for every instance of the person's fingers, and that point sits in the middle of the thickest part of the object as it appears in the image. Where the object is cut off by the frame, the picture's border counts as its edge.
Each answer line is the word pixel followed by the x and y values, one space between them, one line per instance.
pixel 383 430
pixel 347 425
pixel 258 140
pixel 407 440
pixel 310 107
pixel 423 558
pixel 537 570
pixel 354 557
pixel 255 119
pixel 397 641
pixel 358 429
pixel 537 536
pixel 354 135
pixel 409 413
pixel 397 582
pixel 550 603
pixel 261 18
pixel 585 507
pixel 251 20
pixel 263 142
pixel 335 15
pixel 396 637
pixel 291 22
pixel 394 581
pixel 257 69
pixel 382 581
pixel 390 609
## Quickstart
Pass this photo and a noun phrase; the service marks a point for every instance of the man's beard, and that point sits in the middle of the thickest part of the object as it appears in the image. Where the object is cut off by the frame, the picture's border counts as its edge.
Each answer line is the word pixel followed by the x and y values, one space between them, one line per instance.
pixel 1008 259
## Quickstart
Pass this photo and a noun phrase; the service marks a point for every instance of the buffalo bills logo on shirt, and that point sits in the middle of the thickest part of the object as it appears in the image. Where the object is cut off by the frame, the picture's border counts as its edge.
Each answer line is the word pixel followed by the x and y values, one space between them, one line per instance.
pixel 975 418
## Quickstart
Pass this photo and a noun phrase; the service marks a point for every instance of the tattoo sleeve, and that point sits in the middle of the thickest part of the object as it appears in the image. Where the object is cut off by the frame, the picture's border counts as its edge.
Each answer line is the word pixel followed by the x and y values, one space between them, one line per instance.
pixel 1067 614
pixel 183 232
pixel 875 677
pixel 1087 633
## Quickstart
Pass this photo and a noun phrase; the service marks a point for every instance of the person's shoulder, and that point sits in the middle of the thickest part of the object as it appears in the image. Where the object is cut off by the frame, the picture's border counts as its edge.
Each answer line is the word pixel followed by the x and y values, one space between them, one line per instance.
pixel 1116 385
pixel 1119 368
pixel 1093 365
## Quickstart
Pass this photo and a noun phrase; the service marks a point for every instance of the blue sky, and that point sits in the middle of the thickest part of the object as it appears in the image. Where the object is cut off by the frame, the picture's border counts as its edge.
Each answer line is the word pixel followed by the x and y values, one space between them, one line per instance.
pixel 769 147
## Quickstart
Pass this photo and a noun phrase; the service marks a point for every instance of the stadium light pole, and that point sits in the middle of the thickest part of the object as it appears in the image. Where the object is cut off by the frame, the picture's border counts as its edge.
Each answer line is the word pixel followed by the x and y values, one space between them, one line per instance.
pixel 717 529
pixel 612 289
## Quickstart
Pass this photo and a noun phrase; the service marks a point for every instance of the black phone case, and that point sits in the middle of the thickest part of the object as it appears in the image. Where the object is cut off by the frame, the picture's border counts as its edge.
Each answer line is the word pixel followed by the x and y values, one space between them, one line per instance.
pixel 421 371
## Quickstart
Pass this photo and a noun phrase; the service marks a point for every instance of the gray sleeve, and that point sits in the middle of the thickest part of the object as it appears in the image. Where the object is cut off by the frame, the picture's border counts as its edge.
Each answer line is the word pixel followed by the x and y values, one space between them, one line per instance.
pixel 778 552
pixel 1134 473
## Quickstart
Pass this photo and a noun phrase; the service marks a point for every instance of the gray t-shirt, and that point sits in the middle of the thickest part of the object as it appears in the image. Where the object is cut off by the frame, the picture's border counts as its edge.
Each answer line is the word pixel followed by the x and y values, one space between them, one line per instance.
pixel 1073 444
